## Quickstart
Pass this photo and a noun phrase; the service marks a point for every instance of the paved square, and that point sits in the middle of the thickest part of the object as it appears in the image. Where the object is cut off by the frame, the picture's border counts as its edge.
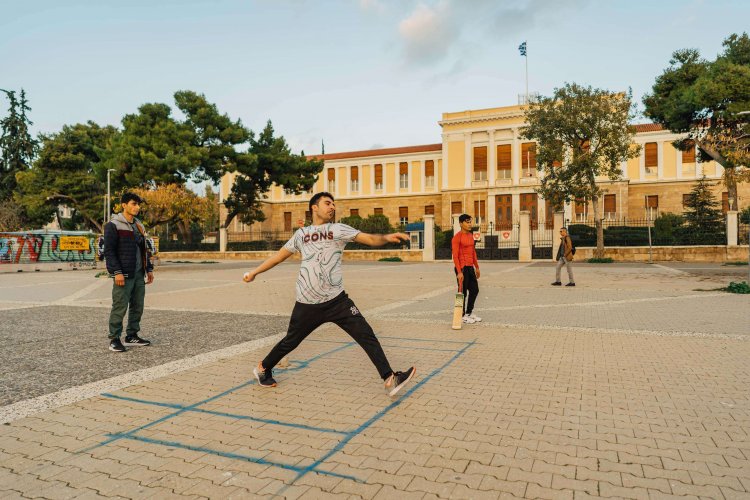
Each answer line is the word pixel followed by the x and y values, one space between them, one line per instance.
pixel 634 384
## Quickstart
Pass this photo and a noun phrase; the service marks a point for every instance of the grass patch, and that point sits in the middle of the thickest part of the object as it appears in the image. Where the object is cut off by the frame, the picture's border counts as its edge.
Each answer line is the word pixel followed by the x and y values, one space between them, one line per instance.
pixel 600 260
pixel 735 263
pixel 101 273
pixel 390 259
pixel 192 262
pixel 738 287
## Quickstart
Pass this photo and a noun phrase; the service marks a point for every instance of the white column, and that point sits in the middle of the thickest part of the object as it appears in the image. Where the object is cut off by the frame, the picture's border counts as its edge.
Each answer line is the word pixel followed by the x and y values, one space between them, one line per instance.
pixel 515 204
pixel 732 228
pixel 659 160
pixel 515 159
pixel 719 171
pixel 524 238
pixel 223 239
pixel 491 160
pixel 624 169
pixel 428 252
pixel 678 163
pixel 491 216
pixel 698 168
pixel 469 160
pixel 422 187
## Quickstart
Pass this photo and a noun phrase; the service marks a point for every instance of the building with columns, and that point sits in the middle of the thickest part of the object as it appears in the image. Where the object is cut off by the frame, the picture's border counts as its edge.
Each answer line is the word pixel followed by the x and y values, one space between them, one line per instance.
pixel 482 167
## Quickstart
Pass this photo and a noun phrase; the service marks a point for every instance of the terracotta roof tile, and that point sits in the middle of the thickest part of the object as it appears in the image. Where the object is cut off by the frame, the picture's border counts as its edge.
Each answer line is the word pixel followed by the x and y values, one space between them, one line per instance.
pixel 647 127
pixel 378 152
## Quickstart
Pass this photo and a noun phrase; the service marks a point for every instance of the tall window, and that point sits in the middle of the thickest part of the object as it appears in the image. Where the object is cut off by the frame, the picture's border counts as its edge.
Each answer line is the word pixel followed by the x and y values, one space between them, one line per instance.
pixel 685 201
pixel 377 211
pixel 429 209
pixel 354 176
pixel 689 155
pixel 549 215
pixel 480 211
pixel 610 206
pixel 504 161
pixel 581 209
pixel 652 158
pixel 429 173
pixel 353 212
pixel 725 202
pixel 529 202
pixel 378 177
pixel 403 215
pixel 652 206
pixel 528 159
pixel 456 208
pixel 403 175
pixel 332 180
pixel 480 163
pixel 287 221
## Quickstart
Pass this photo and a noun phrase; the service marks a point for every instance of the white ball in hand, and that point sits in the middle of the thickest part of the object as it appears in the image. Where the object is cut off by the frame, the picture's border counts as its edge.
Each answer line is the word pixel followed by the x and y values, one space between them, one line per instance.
pixel 246 276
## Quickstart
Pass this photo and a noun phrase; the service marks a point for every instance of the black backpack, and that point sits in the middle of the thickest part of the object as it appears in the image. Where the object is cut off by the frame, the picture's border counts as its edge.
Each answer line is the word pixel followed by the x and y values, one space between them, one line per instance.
pixel 572 246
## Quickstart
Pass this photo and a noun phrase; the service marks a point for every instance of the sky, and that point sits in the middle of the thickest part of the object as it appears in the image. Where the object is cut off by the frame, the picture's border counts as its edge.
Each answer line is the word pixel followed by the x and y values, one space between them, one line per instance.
pixel 356 74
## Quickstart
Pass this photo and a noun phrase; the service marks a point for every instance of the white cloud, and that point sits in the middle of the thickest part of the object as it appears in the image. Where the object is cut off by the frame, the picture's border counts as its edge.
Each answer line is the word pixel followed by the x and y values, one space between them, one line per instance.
pixel 427 33
pixel 372 5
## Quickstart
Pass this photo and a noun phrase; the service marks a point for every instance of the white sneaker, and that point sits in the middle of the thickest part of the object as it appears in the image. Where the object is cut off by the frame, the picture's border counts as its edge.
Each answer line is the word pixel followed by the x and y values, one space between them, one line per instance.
pixel 468 319
pixel 476 318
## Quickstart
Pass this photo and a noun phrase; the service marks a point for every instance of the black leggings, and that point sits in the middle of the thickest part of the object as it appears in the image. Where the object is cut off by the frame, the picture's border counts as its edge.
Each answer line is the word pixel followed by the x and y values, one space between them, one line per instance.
pixel 341 311
pixel 471 288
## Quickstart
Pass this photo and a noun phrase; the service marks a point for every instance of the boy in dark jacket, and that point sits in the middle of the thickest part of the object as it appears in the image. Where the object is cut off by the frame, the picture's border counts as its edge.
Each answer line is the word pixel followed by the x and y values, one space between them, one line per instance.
pixel 129 263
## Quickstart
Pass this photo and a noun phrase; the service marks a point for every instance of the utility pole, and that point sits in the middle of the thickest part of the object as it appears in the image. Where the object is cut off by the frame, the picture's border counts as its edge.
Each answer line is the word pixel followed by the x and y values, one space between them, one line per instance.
pixel 108 210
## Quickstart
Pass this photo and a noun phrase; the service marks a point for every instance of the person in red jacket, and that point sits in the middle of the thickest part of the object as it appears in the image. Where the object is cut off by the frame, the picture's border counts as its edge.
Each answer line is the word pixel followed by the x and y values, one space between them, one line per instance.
pixel 466 267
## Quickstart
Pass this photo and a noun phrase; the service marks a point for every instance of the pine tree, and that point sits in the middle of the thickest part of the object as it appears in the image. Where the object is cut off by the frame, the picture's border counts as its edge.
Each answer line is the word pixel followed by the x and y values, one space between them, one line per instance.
pixel 703 216
pixel 17 147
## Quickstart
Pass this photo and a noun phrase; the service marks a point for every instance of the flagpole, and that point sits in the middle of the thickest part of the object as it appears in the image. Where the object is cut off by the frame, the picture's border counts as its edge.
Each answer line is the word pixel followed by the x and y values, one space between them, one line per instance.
pixel 527 75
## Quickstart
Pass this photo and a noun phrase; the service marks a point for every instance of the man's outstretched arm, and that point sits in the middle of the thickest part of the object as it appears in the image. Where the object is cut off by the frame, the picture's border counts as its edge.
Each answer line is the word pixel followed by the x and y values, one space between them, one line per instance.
pixel 378 240
pixel 267 264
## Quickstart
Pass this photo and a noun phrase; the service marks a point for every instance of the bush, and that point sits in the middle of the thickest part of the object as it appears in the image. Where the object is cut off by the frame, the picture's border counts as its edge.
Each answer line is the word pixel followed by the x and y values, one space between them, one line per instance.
pixel 738 287
pixel 248 246
pixel 390 259
pixel 443 238
pixel 582 235
pixel 600 260
pixel 745 215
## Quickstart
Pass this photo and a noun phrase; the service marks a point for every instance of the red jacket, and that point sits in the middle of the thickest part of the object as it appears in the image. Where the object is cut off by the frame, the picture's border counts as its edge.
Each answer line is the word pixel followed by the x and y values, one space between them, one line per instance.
pixel 464 254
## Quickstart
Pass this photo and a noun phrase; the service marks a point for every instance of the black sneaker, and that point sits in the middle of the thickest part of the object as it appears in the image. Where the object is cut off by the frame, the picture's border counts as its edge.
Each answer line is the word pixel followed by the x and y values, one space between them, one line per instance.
pixel 398 380
pixel 136 340
pixel 556 283
pixel 264 377
pixel 571 284
pixel 116 345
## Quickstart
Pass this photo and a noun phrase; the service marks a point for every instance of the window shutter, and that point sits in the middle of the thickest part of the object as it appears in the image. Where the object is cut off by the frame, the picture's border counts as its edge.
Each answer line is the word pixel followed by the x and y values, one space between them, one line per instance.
pixel 725 202
pixel 403 212
pixel 403 168
pixel 480 159
pixel 652 157
pixel 377 211
pixel 652 201
pixel 429 210
pixel 528 155
pixel 689 155
pixel 581 206
pixel 685 200
pixel 355 173
pixel 331 174
pixel 504 157
pixel 354 212
pixel 378 174
pixel 610 204
pixel 479 208
pixel 429 168
pixel 456 207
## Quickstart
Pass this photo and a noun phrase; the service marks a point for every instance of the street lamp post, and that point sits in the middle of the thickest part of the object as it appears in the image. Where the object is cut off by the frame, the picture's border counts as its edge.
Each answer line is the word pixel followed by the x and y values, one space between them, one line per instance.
pixel 108 209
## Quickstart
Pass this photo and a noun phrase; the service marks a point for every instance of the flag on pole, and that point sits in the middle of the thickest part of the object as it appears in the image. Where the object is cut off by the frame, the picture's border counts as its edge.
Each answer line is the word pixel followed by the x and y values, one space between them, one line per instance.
pixel 522 49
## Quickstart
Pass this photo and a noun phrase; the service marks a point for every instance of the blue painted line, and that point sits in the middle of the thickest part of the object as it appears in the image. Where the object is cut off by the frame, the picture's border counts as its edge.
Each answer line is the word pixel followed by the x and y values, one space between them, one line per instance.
pixel 395 346
pixel 473 342
pixel 199 403
pixel 228 415
pixel 247 458
pixel 376 417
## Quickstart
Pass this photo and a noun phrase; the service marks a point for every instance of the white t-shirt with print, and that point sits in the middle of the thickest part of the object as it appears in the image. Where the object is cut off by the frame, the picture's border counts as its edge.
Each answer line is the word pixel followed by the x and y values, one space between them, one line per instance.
pixel 320 277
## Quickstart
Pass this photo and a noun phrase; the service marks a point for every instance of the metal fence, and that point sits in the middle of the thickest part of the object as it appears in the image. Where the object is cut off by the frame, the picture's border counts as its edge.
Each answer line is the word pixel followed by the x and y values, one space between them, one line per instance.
pixel 742 234
pixel 665 231
pixel 493 244
pixel 257 240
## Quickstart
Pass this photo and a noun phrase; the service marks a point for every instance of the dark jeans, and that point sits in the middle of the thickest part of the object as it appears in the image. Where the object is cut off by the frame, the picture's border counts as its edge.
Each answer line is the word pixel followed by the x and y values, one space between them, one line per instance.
pixel 341 311
pixel 128 298
pixel 470 289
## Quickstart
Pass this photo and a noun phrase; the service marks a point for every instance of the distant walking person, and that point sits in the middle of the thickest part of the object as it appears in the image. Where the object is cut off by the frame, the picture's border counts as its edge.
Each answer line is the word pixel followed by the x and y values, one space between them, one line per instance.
pixel 565 258
pixel 128 261
pixel 466 267
pixel 320 291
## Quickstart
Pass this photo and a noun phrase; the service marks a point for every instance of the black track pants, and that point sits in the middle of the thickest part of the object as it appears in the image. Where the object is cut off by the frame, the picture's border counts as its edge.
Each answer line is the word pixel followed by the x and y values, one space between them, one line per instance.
pixel 471 288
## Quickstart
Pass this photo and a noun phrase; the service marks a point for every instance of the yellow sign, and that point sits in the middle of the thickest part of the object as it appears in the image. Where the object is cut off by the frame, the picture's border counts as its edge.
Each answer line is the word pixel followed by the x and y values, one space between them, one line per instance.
pixel 74 243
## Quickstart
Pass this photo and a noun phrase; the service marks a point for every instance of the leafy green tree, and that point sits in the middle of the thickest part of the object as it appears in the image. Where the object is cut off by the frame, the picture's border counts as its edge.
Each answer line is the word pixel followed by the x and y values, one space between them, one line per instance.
pixel 17 147
pixel 71 171
pixel 581 133
pixel 706 100
pixel 702 214
pixel 269 161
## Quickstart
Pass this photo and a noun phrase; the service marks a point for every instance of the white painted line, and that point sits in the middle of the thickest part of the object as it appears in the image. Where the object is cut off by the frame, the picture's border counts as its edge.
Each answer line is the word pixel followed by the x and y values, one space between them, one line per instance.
pixel 80 293
pixel 74 394
pixel 670 269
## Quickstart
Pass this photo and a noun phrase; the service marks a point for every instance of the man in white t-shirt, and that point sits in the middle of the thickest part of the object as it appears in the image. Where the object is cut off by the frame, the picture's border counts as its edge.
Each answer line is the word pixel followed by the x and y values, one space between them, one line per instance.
pixel 320 291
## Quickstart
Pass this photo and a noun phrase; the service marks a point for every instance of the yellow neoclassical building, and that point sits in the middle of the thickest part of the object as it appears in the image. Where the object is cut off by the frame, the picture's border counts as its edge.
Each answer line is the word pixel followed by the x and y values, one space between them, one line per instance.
pixel 482 167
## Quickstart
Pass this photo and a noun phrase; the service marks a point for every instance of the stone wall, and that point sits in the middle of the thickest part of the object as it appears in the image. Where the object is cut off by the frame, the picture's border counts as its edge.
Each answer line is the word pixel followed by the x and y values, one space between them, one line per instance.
pixel 349 255
pixel 699 253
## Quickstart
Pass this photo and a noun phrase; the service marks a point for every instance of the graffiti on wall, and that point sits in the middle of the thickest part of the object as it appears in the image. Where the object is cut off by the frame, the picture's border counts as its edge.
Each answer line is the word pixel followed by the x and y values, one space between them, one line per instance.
pixel 34 247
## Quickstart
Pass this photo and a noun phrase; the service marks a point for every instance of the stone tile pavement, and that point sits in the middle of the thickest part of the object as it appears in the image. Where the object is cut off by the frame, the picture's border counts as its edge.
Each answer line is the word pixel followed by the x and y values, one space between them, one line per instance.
pixel 549 397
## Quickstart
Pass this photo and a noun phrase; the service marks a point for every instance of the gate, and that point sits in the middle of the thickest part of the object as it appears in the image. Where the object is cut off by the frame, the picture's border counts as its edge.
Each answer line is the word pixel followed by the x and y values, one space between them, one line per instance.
pixel 541 240
pixel 493 244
